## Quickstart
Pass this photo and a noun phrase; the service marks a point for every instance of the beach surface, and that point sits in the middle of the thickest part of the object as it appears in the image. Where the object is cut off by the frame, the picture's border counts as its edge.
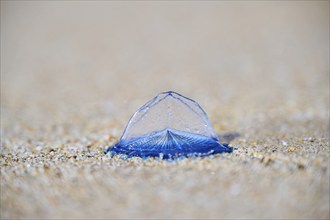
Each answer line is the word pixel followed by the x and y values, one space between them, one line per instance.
pixel 72 74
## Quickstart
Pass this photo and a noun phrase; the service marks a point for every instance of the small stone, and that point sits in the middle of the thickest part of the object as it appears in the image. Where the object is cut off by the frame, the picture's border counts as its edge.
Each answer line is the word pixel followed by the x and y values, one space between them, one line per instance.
pixel 292 149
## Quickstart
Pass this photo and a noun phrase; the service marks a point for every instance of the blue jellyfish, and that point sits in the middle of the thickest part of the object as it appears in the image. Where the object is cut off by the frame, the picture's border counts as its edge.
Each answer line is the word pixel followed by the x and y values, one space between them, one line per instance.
pixel 168 126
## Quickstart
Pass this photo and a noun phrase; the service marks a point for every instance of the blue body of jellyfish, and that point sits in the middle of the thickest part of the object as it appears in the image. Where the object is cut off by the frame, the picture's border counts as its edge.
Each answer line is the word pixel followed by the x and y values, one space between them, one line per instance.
pixel 168 126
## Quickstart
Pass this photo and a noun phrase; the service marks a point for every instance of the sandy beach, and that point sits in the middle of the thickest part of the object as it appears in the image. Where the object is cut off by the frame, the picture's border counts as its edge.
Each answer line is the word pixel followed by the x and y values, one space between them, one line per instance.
pixel 72 74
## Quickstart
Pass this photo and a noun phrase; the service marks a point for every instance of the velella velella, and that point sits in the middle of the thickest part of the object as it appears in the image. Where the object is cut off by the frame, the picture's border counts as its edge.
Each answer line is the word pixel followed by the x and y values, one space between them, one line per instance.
pixel 169 125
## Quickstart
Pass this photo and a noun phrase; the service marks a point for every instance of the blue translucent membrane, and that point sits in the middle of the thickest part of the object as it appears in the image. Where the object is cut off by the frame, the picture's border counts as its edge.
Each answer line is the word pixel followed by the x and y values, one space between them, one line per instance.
pixel 169 125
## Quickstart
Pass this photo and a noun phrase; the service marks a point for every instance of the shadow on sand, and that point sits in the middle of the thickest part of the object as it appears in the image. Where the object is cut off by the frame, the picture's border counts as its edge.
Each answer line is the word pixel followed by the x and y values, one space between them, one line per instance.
pixel 228 137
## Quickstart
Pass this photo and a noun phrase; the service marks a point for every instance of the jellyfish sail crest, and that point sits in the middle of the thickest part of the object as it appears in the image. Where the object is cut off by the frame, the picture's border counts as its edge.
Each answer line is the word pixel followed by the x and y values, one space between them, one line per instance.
pixel 143 110
pixel 169 124
pixel 169 110
pixel 202 113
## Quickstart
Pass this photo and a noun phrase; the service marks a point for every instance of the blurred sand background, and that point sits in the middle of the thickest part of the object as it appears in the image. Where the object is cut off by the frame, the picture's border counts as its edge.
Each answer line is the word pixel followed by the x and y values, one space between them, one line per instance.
pixel 72 73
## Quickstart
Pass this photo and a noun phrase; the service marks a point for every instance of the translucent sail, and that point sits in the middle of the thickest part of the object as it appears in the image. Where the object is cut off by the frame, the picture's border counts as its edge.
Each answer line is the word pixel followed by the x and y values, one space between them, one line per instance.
pixel 169 110
pixel 171 125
